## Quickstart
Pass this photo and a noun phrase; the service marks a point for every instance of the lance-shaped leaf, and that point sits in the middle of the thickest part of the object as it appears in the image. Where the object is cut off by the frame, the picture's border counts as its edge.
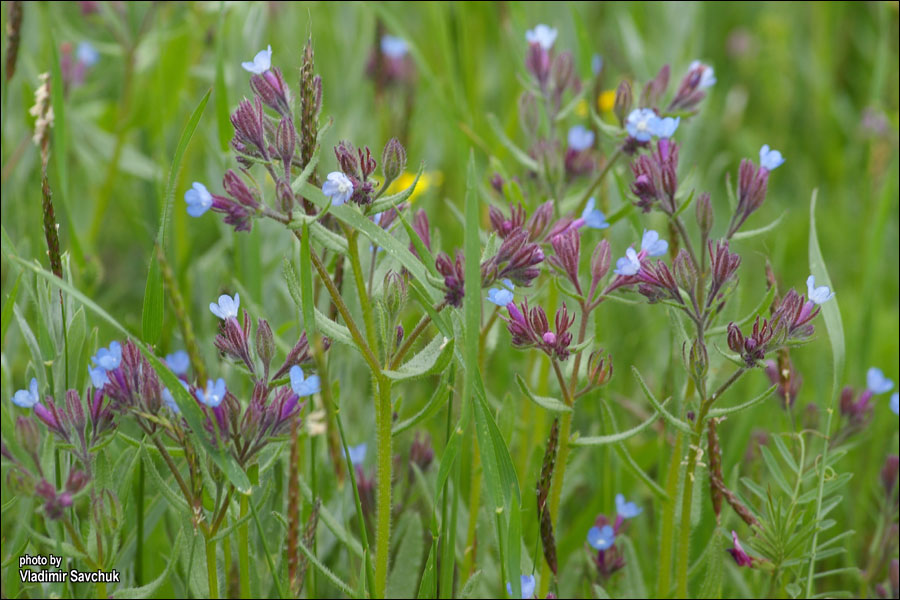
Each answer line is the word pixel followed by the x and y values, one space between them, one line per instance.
pixel 551 404
pixel 433 358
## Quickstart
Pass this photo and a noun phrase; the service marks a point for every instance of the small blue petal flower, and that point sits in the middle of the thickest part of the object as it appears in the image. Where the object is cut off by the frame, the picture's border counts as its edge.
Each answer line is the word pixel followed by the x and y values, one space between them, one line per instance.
pixel 627 510
pixel 543 35
pixel 358 454
pixel 895 403
pixel 580 138
pixel 198 199
pixel 665 128
pixel 820 294
pixel 87 54
pixel 641 124
pixel 629 264
pixel 214 393
pixel 227 308
pixel 338 187
pixel 527 583
pixel 596 64
pixel 652 245
pixel 304 386
pixel 770 159
pixel 179 362
pixel 27 398
pixel 393 46
pixel 98 376
pixel 877 383
pixel 508 284
pixel 601 538
pixel 593 217
pixel 500 297
pixel 261 63
pixel 707 78
pixel 108 358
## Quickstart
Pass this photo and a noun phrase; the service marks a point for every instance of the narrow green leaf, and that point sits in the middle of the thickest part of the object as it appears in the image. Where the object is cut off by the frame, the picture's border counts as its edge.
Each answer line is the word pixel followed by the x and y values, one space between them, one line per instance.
pixel 721 412
pixel 154 301
pixel 147 591
pixel 438 398
pixel 671 419
pixel 408 562
pixel 394 200
pixel 429 580
pixel 775 470
pixel 831 314
pixel 599 440
pixel 519 154
pixel 715 567
pixel 431 359
pixel 743 235
pixel 551 404
pixel 8 310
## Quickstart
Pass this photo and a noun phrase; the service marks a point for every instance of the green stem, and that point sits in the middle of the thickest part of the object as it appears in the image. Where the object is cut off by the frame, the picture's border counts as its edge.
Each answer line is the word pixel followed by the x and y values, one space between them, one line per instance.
pixel 684 534
pixel 139 547
pixel 211 573
pixel 368 318
pixel 590 190
pixel 244 549
pixel 383 483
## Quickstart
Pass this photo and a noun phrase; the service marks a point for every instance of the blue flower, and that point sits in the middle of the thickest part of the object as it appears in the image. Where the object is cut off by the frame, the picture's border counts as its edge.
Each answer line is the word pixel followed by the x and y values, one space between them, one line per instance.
pixel 338 187
pixel 641 124
pixel 393 47
pixel 820 294
pixel 895 403
pixel 593 217
pixel 665 128
pixel 27 398
pixel 601 538
pixel 770 159
pixel 358 454
pixel 500 296
pixel 629 264
pixel 707 78
pixel 596 64
pixel 108 358
pixel 198 199
pixel 87 54
pixel 877 383
pixel 652 245
pixel 627 510
pixel 304 386
pixel 227 308
pixel 179 362
pixel 214 393
pixel 543 35
pixel 580 138
pixel 261 63
pixel 98 376
pixel 527 581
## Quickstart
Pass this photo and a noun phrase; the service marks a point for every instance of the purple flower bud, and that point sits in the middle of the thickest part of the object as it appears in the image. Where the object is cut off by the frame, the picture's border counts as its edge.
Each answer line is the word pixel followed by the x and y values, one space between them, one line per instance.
pixel 421 453
pixel 285 142
pixel 752 185
pixel 76 481
pixel 497 183
pixel 623 102
pixel 232 340
pixel 600 368
pixel 568 253
pixel 704 213
pixel 454 277
pixel 75 411
pixel 393 159
pixel 265 343
pixel 271 88
pixel 655 88
pixel 249 129
pixel 600 261
pixel 422 228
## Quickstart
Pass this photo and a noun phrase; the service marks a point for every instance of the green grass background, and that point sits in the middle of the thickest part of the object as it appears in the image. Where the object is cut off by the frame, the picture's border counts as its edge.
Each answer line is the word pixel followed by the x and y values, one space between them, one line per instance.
pixel 800 77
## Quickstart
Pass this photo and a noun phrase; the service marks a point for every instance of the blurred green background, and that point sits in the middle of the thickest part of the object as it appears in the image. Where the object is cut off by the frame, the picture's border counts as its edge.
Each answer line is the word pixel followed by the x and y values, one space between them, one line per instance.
pixel 818 81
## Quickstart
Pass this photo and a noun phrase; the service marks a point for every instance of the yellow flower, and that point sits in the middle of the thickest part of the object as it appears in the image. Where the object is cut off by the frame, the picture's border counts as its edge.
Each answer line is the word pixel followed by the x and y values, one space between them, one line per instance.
pixel 428 179
pixel 606 101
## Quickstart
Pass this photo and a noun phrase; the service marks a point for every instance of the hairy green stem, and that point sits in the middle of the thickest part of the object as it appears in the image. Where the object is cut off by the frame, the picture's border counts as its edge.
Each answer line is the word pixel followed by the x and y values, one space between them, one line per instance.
pixel 211 572
pixel 244 549
pixel 600 176
pixel 383 483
